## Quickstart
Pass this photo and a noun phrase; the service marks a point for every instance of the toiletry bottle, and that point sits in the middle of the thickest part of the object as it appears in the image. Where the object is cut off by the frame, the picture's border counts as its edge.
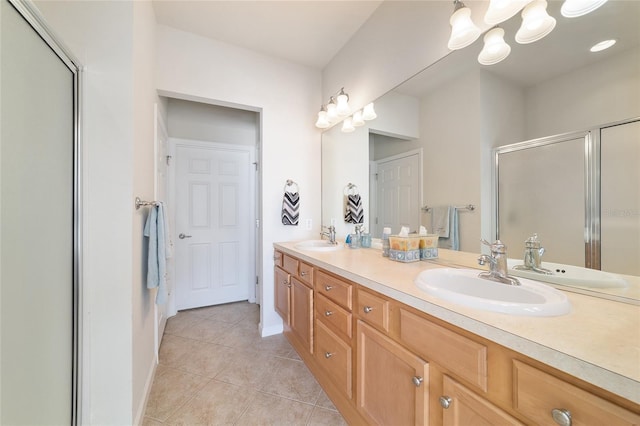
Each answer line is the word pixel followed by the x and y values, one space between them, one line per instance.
pixel 365 240
pixel 386 232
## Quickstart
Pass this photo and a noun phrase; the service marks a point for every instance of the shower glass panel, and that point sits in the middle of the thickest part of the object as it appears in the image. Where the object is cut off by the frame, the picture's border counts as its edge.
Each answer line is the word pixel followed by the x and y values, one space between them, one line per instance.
pixel 620 198
pixel 541 189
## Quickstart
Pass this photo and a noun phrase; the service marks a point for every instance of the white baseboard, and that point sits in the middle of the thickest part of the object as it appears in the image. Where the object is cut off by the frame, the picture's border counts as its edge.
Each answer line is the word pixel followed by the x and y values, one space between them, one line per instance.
pixel 271 330
pixel 139 416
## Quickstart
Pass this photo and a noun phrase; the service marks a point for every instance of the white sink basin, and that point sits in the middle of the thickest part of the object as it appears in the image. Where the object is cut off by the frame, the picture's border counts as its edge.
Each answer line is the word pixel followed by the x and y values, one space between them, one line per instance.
pixel 464 287
pixel 569 275
pixel 318 245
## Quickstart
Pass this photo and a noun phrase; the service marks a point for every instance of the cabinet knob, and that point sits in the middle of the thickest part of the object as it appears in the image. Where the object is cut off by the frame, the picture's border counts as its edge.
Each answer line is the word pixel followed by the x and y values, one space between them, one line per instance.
pixel 417 380
pixel 445 401
pixel 303 273
pixel 561 416
pixel 328 355
pixel 367 309
pixel 327 288
pixel 328 313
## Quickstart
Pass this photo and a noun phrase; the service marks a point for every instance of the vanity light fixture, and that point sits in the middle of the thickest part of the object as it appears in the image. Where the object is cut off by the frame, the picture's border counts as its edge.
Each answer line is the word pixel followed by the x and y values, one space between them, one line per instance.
pixel 332 114
pixel 342 107
pixel 501 10
pixel 575 8
pixel 495 48
pixel 536 22
pixel 599 47
pixel 347 125
pixel 322 122
pixel 336 108
pixel 463 30
pixel 357 119
pixel 368 113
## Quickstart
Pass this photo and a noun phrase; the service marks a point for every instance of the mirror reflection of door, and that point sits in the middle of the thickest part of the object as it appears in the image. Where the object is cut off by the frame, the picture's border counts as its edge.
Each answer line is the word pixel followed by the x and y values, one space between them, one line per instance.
pixel 397 187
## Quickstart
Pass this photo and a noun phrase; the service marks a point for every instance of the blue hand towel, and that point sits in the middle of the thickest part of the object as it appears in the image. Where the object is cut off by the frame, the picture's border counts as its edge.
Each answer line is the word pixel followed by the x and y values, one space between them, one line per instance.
pixel 453 240
pixel 154 229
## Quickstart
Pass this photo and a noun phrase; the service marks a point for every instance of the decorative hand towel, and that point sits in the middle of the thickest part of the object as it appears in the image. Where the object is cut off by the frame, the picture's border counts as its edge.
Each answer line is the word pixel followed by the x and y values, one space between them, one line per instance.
pixel 290 204
pixel 154 229
pixel 452 242
pixel 440 220
pixel 354 212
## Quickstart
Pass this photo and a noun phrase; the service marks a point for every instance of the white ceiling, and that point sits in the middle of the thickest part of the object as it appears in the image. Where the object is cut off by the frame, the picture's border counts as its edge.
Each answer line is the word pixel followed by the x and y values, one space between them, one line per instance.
pixel 309 32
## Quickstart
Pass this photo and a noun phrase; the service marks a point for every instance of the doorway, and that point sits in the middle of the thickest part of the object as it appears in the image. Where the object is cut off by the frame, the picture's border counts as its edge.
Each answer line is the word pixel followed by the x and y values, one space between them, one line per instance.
pixel 39 238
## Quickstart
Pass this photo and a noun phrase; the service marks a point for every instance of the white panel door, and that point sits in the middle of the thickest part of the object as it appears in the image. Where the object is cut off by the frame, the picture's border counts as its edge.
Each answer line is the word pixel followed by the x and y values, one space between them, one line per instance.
pixel 398 196
pixel 213 231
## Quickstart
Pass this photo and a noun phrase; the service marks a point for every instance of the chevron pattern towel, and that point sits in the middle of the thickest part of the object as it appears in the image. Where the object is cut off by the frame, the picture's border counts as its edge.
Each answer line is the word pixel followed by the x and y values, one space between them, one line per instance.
pixel 290 207
pixel 353 209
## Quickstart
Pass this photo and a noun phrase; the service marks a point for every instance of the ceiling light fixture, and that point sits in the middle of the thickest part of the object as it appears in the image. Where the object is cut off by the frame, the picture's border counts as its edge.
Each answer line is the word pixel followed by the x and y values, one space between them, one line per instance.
pixel 598 47
pixel 575 8
pixel 463 30
pixel 501 10
pixel 536 22
pixel 495 48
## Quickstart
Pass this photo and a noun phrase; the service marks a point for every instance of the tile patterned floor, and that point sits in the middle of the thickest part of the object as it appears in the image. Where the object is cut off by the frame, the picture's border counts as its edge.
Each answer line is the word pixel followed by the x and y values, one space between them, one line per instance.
pixel 215 369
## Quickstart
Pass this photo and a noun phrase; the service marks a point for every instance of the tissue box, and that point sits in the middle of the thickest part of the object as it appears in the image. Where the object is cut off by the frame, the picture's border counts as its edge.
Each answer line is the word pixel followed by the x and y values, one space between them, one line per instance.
pixel 404 249
pixel 428 246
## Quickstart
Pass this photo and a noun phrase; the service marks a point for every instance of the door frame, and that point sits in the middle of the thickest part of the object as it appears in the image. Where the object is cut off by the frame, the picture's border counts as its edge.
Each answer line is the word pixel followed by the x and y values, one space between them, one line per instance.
pixel 251 208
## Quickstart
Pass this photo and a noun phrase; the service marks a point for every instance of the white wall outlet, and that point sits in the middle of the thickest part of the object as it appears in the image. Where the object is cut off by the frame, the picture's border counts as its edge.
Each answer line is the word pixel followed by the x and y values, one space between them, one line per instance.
pixel 309 224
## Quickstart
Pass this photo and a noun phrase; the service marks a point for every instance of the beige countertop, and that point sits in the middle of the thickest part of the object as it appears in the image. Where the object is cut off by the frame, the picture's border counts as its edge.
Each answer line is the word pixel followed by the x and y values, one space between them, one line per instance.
pixel 598 341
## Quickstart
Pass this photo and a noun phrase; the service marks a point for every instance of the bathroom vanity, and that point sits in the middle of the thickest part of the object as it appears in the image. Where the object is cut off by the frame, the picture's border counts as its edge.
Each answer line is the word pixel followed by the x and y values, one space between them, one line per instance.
pixel 386 352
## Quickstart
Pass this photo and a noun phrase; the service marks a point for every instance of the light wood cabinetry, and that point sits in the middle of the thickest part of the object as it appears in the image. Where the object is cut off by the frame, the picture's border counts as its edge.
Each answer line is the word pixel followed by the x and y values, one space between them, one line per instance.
pixel 383 362
pixel 393 383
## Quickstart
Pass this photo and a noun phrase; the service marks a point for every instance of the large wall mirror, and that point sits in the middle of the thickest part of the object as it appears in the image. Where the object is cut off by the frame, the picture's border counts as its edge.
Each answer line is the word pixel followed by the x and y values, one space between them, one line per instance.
pixel 455 114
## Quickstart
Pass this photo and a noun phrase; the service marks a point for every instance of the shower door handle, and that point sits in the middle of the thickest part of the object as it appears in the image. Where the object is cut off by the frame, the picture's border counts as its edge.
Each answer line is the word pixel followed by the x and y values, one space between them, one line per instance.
pixel 183 236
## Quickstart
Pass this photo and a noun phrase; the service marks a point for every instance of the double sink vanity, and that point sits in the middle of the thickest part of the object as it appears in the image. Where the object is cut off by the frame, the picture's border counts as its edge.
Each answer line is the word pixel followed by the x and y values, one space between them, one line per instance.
pixel 389 346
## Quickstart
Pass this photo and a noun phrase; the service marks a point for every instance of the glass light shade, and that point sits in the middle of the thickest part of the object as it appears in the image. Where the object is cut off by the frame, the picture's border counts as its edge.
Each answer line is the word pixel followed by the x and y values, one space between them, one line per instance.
pixel 368 113
pixel 322 122
pixel 347 125
pixel 603 45
pixel 332 114
pixel 463 30
pixel 357 119
pixel 575 8
pixel 536 22
pixel 495 48
pixel 342 108
pixel 501 10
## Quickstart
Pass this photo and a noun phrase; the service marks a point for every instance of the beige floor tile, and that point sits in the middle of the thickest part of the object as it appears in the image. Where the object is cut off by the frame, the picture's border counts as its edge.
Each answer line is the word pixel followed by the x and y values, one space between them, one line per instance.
pixel 272 410
pixel 171 389
pixel 207 359
pixel 324 402
pixel 174 350
pixel 151 422
pixel 324 417
pixel 293 380
pixel 216 404
pixel 205 330
pixel 234 312
pixel 250 369
pixel 180 321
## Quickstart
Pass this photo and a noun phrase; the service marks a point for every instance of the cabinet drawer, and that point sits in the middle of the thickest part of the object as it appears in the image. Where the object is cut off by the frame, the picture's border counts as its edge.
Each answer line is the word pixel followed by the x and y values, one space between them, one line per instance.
pixel 536 394
pixel 463 357
pixel 330 313
pixel 305 273
pixel 373 309
pixel 290 264
pixel 334 288
pixel 334 356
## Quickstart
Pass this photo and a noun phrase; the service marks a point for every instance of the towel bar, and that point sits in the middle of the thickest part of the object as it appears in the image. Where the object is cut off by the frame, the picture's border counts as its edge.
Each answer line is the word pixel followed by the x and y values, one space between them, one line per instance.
pixel 140 203
pixel 469 207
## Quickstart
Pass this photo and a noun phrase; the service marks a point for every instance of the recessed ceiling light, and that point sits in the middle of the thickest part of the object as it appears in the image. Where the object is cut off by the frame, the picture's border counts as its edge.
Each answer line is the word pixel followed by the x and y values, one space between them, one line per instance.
pixel 602 45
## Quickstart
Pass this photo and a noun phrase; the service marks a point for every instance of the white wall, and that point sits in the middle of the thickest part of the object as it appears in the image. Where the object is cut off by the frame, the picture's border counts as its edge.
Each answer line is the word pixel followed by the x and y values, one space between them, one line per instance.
pixel 287 96
pixel 117 137
pixel 213 123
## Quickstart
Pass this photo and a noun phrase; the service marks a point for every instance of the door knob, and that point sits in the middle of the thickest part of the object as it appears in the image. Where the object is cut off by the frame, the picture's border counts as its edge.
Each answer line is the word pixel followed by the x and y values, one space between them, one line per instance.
pixel 183 236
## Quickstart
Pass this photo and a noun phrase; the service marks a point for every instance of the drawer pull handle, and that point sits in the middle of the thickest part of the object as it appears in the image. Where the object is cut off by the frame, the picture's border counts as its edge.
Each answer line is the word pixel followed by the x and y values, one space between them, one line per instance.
pixel 561 416
pixel 328 355
pixel 303 273
pixel 289 285
pixel 328 313
pixel 327 288
pixel 417 380
pixel 445 402
pixel 367 309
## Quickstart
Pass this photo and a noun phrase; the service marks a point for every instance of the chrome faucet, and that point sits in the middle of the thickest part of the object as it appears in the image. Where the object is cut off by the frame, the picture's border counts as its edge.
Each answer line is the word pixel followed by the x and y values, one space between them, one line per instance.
pixel 497 264
pixel 533 252
pixel 331 234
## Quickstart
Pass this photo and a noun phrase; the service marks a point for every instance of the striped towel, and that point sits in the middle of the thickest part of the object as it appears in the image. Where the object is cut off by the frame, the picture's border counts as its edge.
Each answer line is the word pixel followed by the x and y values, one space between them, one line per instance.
pixel 353 209
pixel 290 207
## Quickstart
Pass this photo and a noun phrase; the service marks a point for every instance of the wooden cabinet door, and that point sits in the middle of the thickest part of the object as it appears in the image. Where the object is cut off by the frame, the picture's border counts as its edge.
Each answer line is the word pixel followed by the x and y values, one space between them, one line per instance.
pixel 282 294
pixel 301 312
pixel 392 383
pixel 462 407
